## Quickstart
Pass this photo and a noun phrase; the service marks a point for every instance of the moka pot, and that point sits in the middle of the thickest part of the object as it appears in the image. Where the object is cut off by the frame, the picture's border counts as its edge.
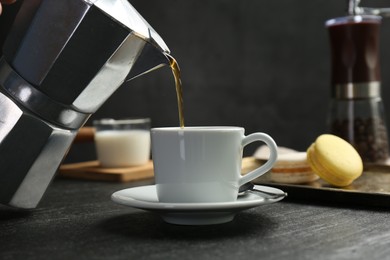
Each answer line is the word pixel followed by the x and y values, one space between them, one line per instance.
pixel 61 61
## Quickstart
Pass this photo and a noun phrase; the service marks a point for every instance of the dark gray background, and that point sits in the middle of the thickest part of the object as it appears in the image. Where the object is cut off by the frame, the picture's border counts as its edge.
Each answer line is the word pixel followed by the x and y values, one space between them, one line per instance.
pixel 263 65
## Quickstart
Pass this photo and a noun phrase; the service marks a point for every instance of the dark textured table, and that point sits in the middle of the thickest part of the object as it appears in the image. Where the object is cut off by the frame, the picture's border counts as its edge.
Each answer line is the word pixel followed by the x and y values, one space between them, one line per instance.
pixel 77 220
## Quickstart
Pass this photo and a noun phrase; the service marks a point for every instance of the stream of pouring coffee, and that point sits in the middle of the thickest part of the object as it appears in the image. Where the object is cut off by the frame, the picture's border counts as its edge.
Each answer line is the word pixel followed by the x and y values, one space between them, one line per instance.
pixel 179 87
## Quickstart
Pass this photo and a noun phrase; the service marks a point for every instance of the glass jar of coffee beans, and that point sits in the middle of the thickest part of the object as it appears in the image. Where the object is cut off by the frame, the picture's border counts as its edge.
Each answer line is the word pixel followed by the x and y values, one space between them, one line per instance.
pixel 361 122
pixel 356 112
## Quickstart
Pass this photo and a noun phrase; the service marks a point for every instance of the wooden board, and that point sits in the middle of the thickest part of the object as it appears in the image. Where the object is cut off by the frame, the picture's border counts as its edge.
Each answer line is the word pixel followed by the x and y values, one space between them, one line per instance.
pixel 92 171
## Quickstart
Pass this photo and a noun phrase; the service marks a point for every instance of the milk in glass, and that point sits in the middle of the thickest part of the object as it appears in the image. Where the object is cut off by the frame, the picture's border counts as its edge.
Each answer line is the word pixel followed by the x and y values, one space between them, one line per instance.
pixel 121 148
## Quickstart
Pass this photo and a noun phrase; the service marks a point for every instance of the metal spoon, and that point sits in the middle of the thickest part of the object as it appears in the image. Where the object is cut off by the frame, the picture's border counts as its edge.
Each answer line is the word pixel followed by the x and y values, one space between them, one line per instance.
pixel 266 192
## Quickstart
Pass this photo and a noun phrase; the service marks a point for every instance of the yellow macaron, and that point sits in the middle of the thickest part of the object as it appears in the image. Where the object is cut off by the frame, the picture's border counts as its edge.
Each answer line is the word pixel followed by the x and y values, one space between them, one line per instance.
pixel 334 160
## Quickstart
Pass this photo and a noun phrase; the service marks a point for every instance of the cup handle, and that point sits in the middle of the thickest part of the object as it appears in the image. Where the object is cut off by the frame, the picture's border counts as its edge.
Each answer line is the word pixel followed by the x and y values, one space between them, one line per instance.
pixel 271 160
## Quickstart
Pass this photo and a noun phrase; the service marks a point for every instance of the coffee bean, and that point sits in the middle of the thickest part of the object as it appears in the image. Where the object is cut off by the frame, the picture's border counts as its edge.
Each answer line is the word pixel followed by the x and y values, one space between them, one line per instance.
pixel 368 136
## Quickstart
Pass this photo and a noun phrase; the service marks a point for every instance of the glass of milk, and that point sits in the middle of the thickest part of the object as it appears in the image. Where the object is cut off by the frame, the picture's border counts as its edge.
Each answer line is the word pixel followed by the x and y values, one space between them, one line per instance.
pixel 122 143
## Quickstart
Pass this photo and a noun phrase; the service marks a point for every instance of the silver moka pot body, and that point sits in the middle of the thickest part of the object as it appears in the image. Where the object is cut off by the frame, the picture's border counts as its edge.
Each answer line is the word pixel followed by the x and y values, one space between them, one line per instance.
pixel 61 61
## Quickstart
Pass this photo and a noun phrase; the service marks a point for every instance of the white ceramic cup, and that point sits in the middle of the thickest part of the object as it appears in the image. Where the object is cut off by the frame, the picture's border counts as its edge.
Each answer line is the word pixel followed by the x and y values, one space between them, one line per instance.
pixel 122 143
pixel 203 164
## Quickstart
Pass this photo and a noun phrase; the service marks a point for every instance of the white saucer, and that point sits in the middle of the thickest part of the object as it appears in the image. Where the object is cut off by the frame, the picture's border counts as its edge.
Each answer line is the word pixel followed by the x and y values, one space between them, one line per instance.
pixel 145 197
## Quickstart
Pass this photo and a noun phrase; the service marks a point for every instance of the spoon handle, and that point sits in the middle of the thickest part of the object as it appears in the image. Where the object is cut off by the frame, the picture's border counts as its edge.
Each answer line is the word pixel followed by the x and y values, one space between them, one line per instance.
pixel 267 194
